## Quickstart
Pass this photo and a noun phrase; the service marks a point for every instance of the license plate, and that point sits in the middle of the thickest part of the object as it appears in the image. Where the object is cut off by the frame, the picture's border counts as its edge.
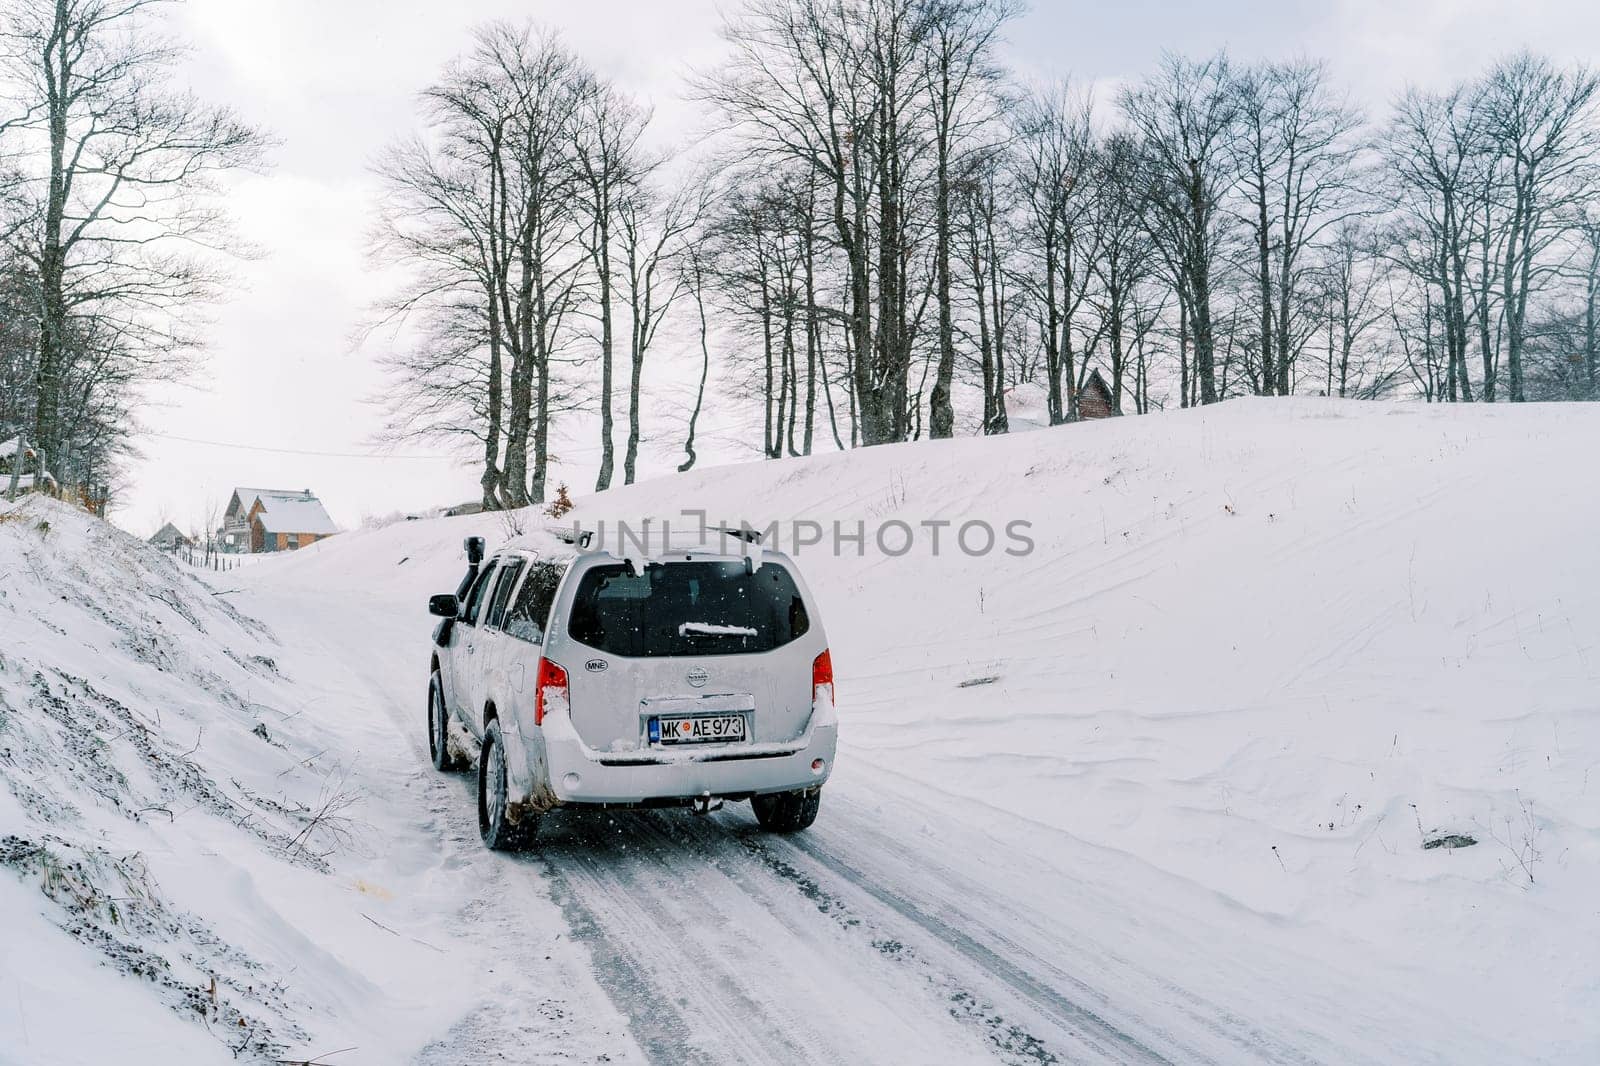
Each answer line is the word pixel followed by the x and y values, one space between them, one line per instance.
pixel 697 729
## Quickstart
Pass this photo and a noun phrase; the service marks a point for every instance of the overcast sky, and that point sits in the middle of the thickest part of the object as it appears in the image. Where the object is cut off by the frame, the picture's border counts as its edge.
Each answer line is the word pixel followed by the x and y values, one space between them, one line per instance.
pixel 334 80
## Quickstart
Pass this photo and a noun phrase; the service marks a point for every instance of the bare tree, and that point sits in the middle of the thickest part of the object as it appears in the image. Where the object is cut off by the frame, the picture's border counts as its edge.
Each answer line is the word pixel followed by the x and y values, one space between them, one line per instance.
pixel 1052 164
pixel 832 85
pixel 652 233
pixel 984 241
pixel 1187 117
pixel 960 74
pixel 1296 155
pixel 611 166
pixel 1351 286
pixel 1541 122
pixel 1434 149
pixel 489 222
pixel 1122 256
pixel 692 267
pixel 120 215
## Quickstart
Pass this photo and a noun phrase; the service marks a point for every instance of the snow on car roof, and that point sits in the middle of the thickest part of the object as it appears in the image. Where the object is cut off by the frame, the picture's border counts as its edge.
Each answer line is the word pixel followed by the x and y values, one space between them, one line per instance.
pixel 634 542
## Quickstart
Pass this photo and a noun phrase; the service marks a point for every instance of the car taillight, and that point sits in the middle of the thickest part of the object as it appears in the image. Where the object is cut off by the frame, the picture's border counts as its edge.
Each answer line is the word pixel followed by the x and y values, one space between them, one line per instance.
pixel 822 675
pixel 550 690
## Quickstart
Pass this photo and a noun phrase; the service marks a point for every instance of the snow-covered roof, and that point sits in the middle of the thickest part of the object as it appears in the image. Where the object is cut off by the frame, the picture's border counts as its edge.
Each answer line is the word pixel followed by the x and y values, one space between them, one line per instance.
pixel 247 497
pixel 298 512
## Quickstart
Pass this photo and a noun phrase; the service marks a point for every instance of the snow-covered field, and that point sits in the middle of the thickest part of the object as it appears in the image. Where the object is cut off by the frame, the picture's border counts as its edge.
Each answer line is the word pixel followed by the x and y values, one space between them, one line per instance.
pixel 1157 790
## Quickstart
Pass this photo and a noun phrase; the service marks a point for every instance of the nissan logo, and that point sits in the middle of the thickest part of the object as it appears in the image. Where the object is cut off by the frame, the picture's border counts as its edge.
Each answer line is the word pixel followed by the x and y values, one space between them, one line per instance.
pixel 698 677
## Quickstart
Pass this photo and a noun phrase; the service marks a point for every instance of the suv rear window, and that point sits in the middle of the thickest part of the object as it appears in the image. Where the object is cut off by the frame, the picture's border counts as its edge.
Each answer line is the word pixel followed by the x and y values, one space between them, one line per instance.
pixel 687 609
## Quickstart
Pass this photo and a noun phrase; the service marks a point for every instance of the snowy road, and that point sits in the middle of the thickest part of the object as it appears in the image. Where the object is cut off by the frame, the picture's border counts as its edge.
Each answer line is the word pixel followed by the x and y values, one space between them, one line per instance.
pixel 857 941
pixel 865 939
pixel 720 943
pixel 906 926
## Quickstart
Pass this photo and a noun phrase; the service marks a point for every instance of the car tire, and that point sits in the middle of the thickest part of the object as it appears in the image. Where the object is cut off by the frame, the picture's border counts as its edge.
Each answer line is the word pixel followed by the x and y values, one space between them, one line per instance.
pixel 442 749
pixel 787 812
pixel 500 831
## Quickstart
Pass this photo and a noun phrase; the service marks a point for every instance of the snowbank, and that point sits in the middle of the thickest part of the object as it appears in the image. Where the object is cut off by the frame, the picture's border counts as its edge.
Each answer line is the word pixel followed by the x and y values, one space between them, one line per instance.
pixel 179 814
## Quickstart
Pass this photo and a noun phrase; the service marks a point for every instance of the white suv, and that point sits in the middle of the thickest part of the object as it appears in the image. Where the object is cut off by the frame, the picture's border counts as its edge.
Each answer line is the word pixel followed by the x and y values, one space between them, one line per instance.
pixel 680 676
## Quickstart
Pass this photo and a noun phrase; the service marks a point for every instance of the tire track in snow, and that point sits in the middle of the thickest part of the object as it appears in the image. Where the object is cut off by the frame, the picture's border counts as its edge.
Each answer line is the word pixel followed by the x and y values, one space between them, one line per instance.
pixel 1227 1036
pixel 523 1020
pixel 1087 1026
pixel 711 971
pixel 618 882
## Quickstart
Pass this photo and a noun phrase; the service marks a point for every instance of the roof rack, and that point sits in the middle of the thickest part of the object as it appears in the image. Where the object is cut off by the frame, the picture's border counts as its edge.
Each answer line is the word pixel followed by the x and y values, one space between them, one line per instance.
pixel 580 538
pixel 586 540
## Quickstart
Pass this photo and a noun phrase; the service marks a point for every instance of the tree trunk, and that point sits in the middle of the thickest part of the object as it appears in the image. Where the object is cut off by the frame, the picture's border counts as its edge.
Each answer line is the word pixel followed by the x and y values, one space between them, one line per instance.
pixel 941 411
pixel 1591 320
pixel 1264 282
pixel 1183 350
pixel 697 283
pixel 60 84
pixel 985 345
pixel 768 448
pixel 1114 285
pixel 1052 350
pixel 602 261
pixel 490 480
pixel 541 434
pixel 630 458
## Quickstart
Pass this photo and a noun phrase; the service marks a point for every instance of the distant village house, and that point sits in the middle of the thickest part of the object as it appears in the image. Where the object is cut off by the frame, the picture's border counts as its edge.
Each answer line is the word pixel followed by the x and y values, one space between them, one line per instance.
pixel 168 538
pixel 1094 399
pixel 273 520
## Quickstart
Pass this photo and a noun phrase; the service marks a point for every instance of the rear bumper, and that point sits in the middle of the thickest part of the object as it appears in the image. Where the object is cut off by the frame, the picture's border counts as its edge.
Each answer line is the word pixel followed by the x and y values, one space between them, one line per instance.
pixel 559 761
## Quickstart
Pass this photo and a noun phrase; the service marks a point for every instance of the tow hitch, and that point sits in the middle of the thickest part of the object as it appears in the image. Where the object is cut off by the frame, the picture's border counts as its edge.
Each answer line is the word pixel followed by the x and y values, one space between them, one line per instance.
pixel 704 804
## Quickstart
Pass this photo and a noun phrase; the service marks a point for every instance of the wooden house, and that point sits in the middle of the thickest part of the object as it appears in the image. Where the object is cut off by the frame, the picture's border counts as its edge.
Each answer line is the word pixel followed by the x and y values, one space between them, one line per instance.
pixel 270 520
pixel 1095 399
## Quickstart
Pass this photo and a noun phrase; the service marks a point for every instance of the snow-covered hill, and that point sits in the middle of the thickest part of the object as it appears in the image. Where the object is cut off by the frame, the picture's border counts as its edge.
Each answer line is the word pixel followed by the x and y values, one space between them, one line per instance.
pixel 190 839
pixel 1159 788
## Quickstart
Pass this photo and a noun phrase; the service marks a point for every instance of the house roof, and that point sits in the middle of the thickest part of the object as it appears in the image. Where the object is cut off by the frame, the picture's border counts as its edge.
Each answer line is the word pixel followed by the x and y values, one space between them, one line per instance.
pixel 167 533
pixel 298 512
pixel 247 497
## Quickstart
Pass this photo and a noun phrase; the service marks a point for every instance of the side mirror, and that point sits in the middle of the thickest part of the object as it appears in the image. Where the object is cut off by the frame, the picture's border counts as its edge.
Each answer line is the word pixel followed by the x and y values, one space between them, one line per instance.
pixel 444 605
pixel 474 549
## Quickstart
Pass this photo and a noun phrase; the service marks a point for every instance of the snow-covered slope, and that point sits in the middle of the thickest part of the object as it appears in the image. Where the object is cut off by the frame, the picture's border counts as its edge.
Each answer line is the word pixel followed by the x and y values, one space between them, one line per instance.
pixel 1258 657
pixel 1158 789
pixel 199 861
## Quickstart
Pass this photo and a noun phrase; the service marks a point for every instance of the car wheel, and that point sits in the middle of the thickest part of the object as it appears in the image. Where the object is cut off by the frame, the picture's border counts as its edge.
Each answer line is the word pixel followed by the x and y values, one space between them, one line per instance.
pixel 501 829
pixel 441 748
pixel 787 812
